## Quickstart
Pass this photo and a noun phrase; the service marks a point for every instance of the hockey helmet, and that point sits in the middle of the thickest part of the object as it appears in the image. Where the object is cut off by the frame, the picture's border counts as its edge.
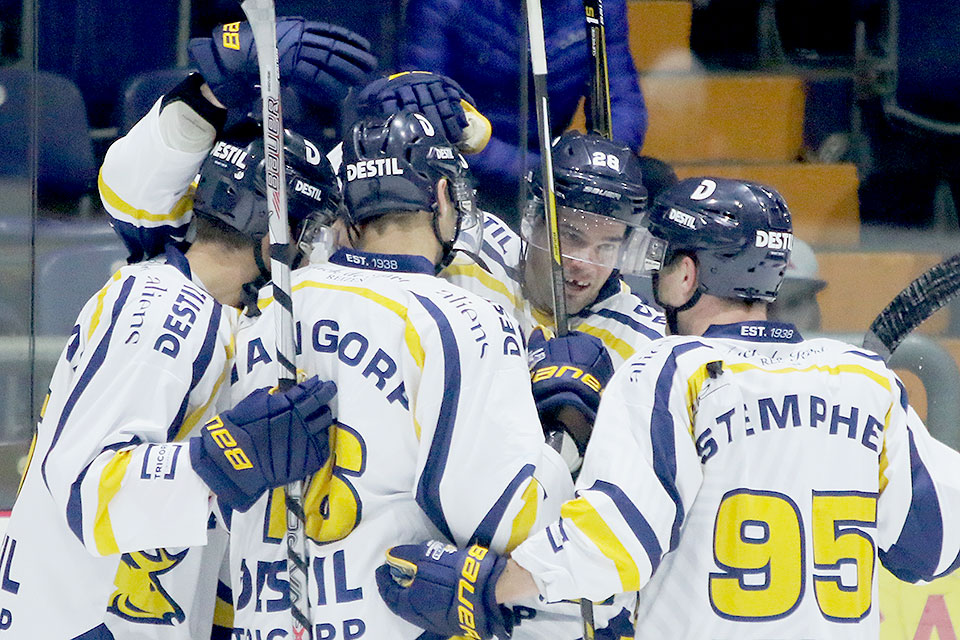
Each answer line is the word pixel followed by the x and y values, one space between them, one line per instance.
pixel 600 198
pixel 740 233
pixel 392 164
pixel 231 186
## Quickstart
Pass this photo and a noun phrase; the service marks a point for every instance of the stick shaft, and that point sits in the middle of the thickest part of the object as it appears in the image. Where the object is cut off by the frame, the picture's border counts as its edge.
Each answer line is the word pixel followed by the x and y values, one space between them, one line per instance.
pixel 538 61
pixel 599 112
pixel 261 14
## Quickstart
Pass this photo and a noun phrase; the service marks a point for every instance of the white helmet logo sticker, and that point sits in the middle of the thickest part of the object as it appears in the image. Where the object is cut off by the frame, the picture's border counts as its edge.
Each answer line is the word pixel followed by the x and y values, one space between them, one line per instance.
pixel 704 190
pixel 313 154
pixel 422 119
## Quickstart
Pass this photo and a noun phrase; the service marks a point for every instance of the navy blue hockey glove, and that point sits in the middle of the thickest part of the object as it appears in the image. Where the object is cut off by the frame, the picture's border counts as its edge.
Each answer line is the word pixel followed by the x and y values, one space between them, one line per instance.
pixel 444 102
pixel 568 373
pixel 322 61
pixel 267 440
pixel 445 590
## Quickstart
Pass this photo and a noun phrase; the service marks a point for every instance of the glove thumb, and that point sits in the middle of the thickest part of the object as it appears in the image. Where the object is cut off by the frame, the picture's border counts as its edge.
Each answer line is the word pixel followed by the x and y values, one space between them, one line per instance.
pixel 477 133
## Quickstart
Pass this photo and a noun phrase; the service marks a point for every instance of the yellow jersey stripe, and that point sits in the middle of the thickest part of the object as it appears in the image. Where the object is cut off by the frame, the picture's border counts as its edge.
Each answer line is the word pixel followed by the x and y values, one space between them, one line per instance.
pixel 98 311
pixel 477 273
pixel 223 614
pixel 110 480
pixel 175 214
pixel 523 522
pixel 611 341
pixel 694 384
pixel 884 460
pixel 832 370
pixel 582 514
pixel 410 333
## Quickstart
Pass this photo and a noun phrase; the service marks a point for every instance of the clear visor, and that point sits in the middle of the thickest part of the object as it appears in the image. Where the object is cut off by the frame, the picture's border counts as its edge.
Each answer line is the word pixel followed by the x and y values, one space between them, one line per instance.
pixel 589 237
pixel 643 254
pixel 469 237
pixel 318 239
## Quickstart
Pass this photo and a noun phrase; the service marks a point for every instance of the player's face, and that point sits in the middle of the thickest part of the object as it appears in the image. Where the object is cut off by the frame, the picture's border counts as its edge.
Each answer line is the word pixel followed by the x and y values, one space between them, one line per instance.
pixel 591 247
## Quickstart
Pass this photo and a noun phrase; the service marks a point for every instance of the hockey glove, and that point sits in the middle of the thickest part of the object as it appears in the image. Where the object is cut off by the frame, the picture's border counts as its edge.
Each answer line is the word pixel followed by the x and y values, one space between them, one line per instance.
pixel 568 373
pixel 267 440
pixel 322 61
pixel 446 590
pixel 444 102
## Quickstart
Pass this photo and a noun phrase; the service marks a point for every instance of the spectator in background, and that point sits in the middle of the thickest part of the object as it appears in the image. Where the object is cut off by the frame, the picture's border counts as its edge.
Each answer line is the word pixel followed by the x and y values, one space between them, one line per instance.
pixel 482 45
pixel 797 301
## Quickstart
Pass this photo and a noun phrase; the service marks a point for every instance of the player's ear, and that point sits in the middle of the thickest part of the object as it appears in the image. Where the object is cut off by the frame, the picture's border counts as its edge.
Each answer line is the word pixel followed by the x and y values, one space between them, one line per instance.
pixel 689 270
pixel 444 197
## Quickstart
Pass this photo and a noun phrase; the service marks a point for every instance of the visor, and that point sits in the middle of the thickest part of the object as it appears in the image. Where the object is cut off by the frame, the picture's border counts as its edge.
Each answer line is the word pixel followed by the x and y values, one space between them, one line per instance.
pixel 470 231
pixel 589 237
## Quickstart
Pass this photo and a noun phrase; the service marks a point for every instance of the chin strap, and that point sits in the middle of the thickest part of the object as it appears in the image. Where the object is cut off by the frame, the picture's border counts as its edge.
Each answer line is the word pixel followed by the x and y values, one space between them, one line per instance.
pixel 251 290
pixel 446 246
pixel 671 312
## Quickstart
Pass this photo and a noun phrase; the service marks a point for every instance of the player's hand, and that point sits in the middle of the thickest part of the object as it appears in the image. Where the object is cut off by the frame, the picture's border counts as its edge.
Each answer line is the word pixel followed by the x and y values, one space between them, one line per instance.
pixel 444 102
pixel 422 583
pixel 568 375
pixel 267 440
pixel 320 60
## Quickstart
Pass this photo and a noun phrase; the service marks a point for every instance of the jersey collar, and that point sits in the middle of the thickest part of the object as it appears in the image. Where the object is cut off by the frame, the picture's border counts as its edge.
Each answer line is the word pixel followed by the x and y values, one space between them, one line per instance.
pixel 382 261
pixel 176 258
pixel 755 331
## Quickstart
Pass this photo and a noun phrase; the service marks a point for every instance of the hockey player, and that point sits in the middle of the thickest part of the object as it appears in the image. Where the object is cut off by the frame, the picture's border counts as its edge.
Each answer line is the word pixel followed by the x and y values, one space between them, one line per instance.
pixel 147 363
pixel 744 478
pixel 437 430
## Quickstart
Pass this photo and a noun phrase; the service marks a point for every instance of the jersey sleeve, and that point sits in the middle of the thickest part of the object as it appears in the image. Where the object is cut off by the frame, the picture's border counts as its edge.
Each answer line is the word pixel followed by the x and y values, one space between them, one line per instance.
pixel 145 186
pixel 480 439
pixel 143 375
pixel 919 504
pixel 640 476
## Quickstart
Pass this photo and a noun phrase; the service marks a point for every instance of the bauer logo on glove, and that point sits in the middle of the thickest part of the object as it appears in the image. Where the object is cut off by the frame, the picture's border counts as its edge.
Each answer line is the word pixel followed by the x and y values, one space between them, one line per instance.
pixel 446 590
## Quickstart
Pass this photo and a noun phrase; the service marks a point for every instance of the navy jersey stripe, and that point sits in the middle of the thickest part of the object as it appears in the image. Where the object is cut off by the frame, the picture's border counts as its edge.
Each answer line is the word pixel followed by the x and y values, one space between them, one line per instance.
pixel 624 319
pixel 662 435
pixel 200 365
pixel 96 361
pixel 428 489
pixel 74 506
pixel 916 553
pixel 488 526
pixel 638 524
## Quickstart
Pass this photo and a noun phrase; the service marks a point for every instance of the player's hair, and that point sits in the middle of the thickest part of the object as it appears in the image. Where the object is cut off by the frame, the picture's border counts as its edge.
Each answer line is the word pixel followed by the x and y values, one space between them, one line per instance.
pixel 213 230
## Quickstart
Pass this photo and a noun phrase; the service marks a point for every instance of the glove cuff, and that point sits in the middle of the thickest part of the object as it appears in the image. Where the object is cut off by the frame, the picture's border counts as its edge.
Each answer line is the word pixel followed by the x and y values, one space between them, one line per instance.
pixel 500 617
pixel 206 467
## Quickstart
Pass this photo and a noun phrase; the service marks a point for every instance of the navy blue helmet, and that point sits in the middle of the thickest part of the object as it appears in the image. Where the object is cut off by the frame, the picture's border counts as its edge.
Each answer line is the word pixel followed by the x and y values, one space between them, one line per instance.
pixel 595 175
pixel 232 183
pixel 392 164
pixel 740 233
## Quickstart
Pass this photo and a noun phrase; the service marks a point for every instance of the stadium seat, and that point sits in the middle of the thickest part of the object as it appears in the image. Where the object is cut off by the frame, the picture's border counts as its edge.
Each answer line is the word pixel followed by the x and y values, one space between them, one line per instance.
pixel 66 279
pixel 724 117
pixel 821 197
pixel 66 169
pixel 861 283
pixel 142 90
pixel 100 43
pixel 659 34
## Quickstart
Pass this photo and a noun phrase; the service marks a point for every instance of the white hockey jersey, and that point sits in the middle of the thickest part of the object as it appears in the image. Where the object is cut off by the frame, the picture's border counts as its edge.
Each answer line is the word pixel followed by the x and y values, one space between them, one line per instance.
pixel 756 476
pixel 147 361
pixel 437 435
pixel 619 318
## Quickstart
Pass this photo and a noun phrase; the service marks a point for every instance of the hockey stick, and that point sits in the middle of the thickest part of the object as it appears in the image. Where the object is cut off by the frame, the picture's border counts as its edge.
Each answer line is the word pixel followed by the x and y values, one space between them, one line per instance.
pixel 918 301
pixel 599 113
pixel 261 14
pixel 538 61
pixel 599 122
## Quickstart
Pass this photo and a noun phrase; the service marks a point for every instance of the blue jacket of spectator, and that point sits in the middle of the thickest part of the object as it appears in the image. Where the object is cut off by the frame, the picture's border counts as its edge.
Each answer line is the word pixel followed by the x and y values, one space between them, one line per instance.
pixel 478 43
